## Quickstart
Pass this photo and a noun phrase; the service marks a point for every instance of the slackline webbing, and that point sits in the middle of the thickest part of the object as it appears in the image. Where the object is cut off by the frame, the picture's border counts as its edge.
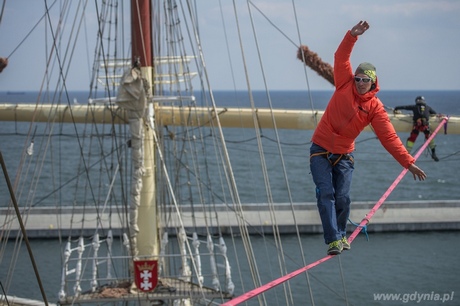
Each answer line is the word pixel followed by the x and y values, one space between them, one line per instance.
pixel 250 294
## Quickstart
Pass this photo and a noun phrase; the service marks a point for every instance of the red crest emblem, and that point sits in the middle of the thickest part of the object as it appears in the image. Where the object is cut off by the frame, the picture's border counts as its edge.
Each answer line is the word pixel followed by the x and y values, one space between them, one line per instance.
pixel 146 274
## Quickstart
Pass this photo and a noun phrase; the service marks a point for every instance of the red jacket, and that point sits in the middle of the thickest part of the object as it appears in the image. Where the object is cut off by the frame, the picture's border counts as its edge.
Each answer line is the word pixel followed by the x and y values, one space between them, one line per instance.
pixel 348 112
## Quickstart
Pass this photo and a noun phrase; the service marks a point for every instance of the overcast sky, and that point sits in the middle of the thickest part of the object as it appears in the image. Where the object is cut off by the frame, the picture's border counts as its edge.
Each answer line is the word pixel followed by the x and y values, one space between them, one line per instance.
pixel 415 44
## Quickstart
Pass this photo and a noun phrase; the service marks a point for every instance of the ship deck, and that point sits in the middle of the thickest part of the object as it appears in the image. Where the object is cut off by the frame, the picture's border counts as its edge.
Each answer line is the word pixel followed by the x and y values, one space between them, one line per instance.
pixel 167 289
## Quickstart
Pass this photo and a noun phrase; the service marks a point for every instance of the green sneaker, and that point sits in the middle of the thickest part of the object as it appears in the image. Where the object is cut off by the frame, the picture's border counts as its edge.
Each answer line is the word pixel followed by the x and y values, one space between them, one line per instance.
pixel 335 248
pixel 345 243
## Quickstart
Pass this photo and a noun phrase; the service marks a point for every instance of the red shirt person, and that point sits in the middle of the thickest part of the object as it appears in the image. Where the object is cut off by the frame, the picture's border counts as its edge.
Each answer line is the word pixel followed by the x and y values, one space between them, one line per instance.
pixel 352 107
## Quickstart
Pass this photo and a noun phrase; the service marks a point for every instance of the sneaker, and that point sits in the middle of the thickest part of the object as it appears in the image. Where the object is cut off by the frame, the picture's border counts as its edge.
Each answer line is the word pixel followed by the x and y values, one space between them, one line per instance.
pixel 345 243
pixel 335 248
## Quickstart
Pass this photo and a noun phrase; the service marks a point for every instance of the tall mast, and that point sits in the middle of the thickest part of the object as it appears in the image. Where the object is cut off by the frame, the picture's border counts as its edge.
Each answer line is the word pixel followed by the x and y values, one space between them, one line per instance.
pixel 141 33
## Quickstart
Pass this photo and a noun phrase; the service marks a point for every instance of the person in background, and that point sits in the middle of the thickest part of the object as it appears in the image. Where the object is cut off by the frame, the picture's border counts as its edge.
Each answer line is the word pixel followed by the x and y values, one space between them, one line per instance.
pixel 352 107
pixel 421 116
pixel 3 63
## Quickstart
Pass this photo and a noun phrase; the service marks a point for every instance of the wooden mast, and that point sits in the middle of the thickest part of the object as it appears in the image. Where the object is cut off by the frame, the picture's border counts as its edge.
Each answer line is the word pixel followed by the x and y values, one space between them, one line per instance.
pixel 141 34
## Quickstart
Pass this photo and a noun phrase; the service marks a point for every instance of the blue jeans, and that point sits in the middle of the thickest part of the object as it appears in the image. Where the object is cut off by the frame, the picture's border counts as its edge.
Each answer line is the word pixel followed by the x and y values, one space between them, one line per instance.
pixel 333 184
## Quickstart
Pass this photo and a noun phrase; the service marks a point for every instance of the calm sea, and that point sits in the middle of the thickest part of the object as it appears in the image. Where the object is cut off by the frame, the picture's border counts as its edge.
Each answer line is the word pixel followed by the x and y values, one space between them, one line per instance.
pixel 373 165
pixel 389 263
pixel 408 264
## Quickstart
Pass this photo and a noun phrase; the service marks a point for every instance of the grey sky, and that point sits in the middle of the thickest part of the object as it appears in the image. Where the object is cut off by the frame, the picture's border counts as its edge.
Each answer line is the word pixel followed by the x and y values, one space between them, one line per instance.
pixel 414 44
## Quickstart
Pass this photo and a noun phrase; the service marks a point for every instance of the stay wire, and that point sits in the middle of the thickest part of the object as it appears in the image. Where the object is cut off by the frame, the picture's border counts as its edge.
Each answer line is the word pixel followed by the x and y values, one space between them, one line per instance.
pixel 276 229
pixel 232 72
pixel 269 21
pixel 178 49
pixel 274 222
pixel 252 261
pixel 224 154
pixel 23 229
pixel 3 10
pixel 343 280
pixel 228 171
pixel 30 32
pixel 291 41
pixel 30 195
pixel 254 268
pixel 307 80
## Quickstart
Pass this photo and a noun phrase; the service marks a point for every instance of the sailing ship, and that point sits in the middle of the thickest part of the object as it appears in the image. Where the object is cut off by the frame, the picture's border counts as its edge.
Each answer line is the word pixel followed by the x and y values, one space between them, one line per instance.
pixel 140 176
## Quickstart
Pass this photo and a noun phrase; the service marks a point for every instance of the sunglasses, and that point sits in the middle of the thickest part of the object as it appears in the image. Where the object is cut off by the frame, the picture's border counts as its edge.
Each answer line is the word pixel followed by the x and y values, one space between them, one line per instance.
pixel 365 80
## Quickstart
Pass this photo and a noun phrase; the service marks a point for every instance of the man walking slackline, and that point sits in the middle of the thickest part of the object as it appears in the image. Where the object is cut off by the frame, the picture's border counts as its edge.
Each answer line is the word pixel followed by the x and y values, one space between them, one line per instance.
pixel 352 107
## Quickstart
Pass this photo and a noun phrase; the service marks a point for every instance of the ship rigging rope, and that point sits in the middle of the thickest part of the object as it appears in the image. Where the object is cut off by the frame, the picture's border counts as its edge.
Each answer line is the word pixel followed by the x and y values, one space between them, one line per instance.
pixel 31 30
pixel 23 170
pixel 247 242
pixel 3 10
pixel 254 267
pixel 228 171
pixel 172 194
pixel 270 201
pixel 281 256
pixel 177 36
pixel 281 259
pixel 237 205
pixel 292 42
pixel 237 208
pixel 274 221
pixel 62 75
pixel 23 229
pixel 257 291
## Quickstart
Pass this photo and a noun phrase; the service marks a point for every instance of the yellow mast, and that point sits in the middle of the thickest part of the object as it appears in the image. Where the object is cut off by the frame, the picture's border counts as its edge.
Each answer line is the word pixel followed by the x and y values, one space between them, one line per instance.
pixel 148 221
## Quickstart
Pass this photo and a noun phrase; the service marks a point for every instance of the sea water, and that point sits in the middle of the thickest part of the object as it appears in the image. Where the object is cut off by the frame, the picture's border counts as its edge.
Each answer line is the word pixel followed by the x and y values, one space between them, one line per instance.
pixel 387 265
pixel 375 169
pixel 417 266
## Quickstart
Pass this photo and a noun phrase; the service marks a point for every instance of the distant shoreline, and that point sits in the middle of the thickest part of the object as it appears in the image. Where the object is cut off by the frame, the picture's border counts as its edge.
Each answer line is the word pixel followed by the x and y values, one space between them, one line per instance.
pixel 15 92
